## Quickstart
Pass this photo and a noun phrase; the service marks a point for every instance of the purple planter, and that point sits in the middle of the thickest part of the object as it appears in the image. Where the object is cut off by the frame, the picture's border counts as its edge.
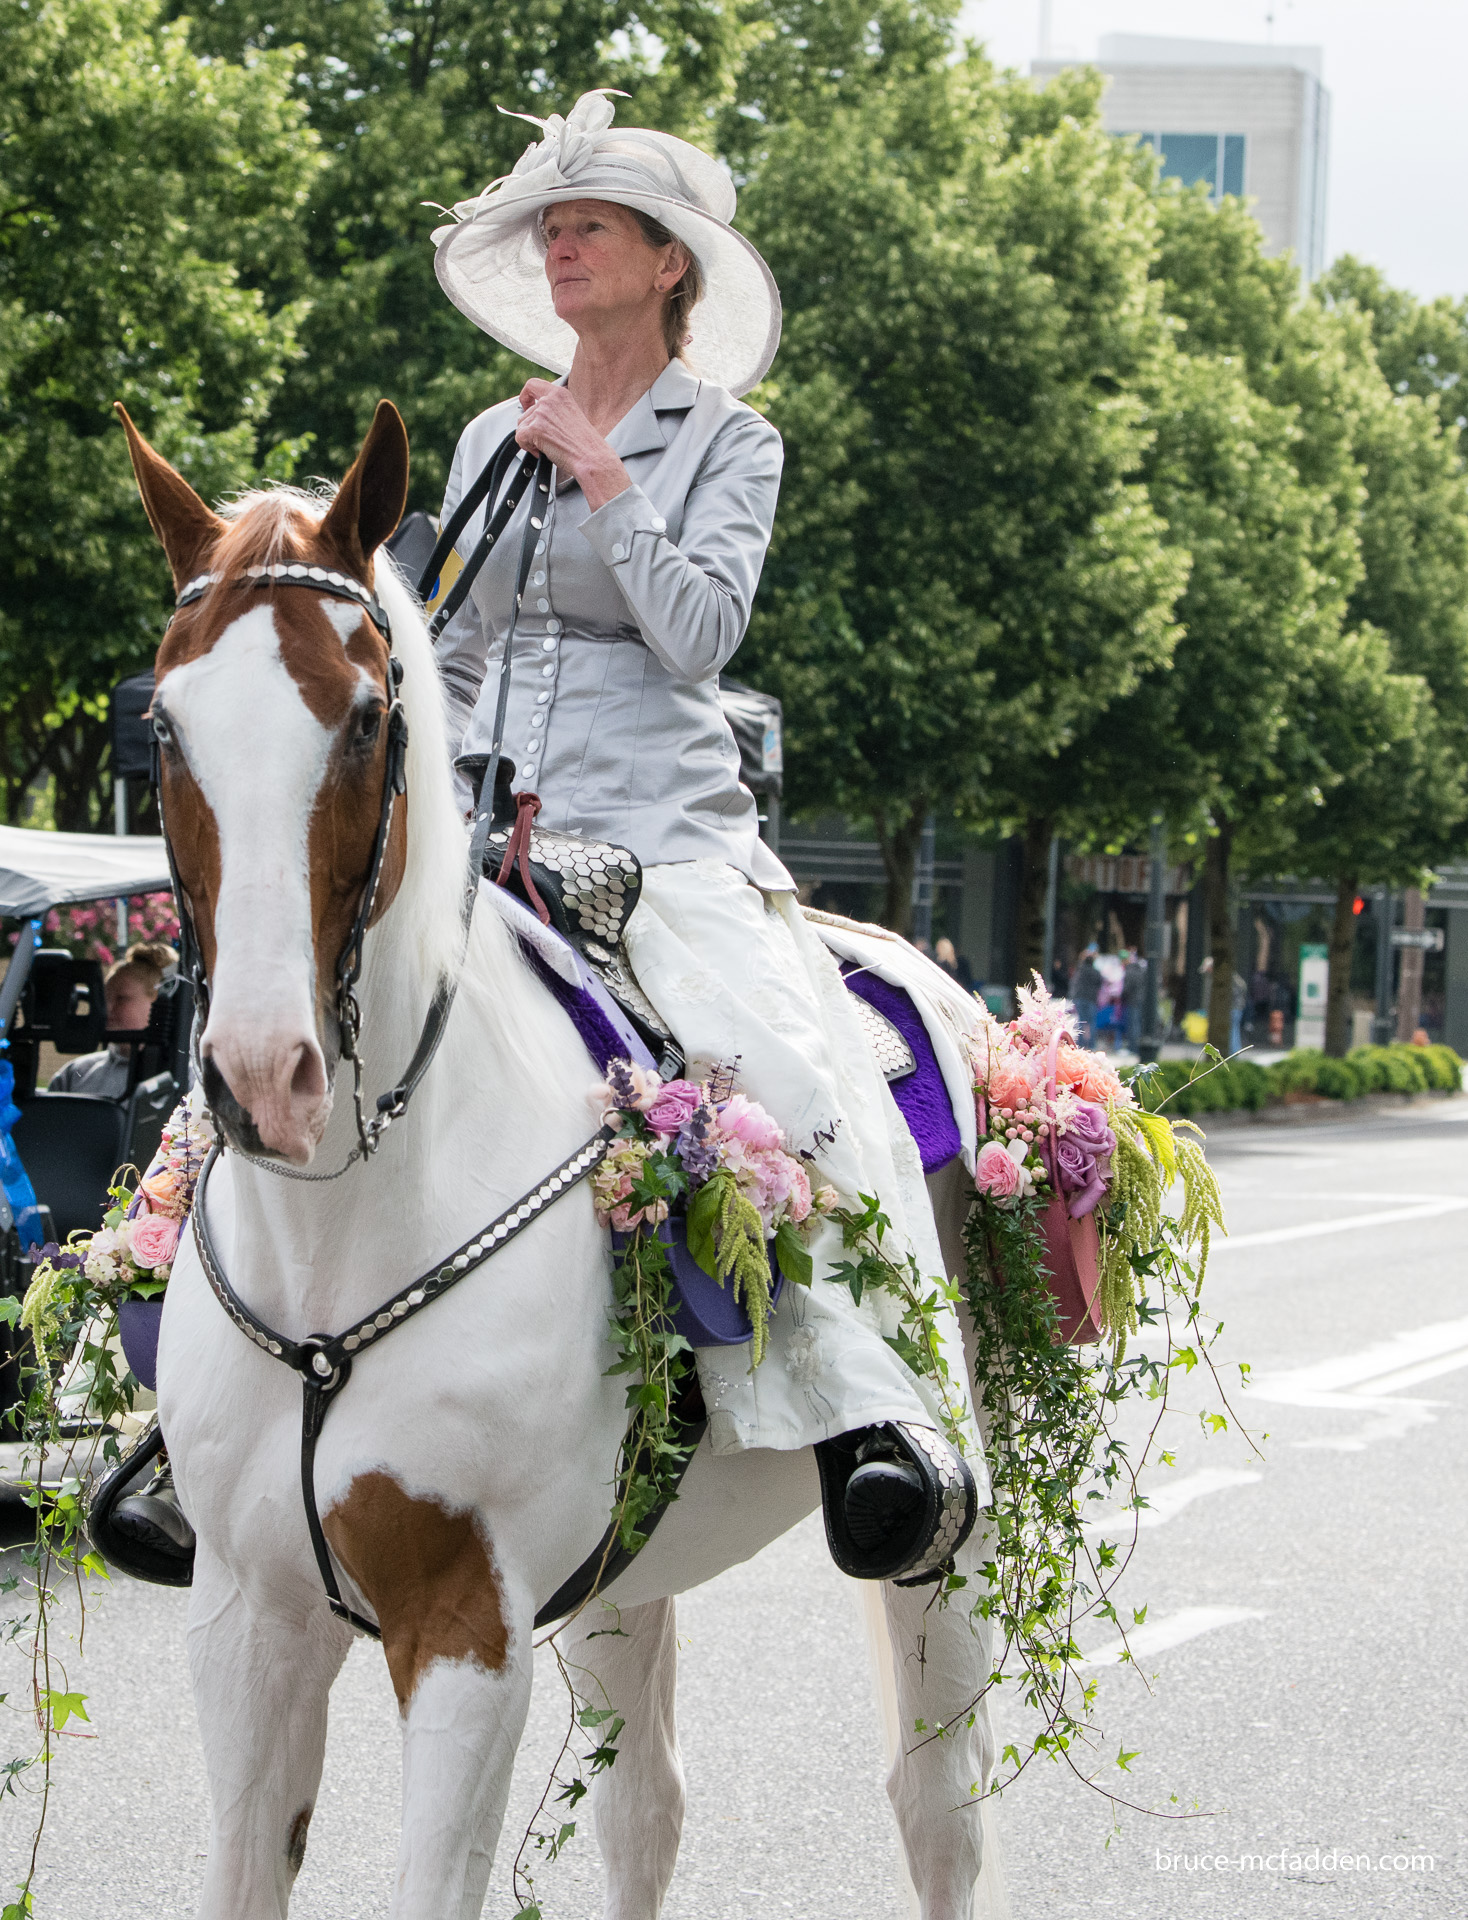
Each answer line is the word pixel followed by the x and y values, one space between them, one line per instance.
pixel 137 1324
pixel 706 1314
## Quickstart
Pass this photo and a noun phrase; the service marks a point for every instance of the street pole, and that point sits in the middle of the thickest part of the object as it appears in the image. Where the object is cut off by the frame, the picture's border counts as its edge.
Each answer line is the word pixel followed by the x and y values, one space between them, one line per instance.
pixel 922 885
pixel 1150 1046
pixel 1052 898
pixel 1381 1029
pixel 1409 971
pixel 119 827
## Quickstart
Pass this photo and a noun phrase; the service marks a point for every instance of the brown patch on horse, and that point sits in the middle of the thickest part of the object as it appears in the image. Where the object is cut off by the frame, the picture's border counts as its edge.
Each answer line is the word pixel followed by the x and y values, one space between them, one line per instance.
pixel 427 1575
pixel 295 1846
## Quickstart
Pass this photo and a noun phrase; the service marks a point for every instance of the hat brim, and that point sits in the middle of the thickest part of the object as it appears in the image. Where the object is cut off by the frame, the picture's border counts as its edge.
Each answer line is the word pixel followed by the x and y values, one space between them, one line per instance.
pixel 492 266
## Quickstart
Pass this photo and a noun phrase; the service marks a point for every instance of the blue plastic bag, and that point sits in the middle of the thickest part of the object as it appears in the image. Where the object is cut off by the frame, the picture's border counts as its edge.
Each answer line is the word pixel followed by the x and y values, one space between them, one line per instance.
pixel 13 1176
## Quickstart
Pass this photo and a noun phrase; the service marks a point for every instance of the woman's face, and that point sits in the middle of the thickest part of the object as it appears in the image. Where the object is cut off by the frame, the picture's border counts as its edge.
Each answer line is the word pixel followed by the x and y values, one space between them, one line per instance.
pixel 600 267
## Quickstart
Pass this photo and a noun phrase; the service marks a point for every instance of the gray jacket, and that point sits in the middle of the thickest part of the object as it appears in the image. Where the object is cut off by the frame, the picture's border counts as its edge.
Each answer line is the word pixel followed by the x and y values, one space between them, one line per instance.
pixel 630 614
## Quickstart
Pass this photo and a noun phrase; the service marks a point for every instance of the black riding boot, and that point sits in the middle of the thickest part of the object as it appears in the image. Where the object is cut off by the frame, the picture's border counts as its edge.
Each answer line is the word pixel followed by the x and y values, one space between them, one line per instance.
pixel 899 1501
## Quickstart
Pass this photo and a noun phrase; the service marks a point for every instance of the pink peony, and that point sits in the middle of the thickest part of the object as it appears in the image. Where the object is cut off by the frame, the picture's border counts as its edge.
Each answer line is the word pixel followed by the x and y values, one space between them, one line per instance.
pixel 746 1121
pixel 676 1102
pixel 996 1173
pixel 154 1240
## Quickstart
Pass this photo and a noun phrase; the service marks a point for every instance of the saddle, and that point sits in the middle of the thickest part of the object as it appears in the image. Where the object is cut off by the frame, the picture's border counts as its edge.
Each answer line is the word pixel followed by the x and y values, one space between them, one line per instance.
pixel 585 889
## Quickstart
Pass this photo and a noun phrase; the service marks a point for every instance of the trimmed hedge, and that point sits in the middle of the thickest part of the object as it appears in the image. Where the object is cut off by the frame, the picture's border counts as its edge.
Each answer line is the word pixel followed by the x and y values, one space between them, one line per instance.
pixel 1244 1084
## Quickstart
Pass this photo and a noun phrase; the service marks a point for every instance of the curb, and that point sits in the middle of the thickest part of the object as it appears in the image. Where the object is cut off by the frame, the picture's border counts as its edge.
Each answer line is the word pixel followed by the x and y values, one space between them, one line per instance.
pixel 1307 1113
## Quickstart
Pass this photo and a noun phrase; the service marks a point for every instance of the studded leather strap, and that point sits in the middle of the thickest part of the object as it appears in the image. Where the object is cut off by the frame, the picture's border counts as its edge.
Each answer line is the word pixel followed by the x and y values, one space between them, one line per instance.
pixel 324 1361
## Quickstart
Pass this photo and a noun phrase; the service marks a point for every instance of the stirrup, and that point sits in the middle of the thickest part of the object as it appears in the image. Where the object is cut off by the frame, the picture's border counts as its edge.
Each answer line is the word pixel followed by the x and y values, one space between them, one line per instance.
pixel 920 1545
pixel 161 1553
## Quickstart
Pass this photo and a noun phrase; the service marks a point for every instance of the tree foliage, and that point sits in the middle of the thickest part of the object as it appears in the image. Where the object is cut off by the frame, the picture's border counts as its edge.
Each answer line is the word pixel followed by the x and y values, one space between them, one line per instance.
pixel 962 569
pixel 146 195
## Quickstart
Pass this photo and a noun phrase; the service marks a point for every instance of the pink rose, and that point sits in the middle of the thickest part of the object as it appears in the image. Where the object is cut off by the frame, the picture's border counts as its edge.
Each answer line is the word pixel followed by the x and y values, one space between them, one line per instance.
pixel 745 1120
pixel 1011 1084
pixel 154 1240
pixel 995 1173
pixel 677 1101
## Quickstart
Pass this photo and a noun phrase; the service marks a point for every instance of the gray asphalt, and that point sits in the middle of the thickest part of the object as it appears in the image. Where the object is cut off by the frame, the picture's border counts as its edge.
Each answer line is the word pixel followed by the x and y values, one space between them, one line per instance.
pixel 1309 1714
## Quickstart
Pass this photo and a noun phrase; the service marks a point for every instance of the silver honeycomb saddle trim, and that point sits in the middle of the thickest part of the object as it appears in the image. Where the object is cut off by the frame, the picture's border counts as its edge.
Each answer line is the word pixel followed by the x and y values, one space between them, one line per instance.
pixel 894 1057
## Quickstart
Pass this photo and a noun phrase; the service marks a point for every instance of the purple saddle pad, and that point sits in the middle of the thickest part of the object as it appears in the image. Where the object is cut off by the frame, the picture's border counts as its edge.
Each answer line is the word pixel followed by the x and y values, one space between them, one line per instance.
pixel 922 1095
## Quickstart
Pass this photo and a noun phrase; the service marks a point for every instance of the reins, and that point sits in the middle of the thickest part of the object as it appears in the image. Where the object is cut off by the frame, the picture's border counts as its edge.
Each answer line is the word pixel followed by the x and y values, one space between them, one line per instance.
pixel 324 1361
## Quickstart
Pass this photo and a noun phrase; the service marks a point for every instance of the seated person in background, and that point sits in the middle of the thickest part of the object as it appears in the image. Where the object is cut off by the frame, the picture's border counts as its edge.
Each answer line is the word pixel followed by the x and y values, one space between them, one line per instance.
pixel 131 986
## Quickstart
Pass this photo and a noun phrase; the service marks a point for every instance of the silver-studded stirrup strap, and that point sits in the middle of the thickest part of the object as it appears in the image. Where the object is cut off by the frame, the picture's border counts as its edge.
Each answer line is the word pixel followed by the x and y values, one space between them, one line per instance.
pixel 324 1361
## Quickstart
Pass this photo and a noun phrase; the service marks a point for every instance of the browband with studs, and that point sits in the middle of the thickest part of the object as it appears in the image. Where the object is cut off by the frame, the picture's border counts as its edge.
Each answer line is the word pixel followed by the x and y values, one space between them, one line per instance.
pixel 293 574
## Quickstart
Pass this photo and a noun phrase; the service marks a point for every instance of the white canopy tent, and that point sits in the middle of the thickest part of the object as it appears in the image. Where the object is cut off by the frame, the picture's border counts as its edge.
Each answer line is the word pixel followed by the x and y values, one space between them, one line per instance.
pixel 39 871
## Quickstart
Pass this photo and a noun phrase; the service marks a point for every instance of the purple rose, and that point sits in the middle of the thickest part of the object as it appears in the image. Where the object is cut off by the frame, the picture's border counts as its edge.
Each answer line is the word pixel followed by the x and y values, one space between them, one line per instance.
pixel 677 1101
pixel 1083 1158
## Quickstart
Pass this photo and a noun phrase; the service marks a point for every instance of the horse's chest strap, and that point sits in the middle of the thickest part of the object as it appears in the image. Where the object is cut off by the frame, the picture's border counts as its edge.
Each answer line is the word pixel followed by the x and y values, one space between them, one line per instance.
pixel 324 1361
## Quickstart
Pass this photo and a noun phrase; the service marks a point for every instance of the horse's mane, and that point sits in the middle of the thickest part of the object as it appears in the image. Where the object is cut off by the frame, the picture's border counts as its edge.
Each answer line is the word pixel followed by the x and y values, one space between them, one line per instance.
pixel 420 938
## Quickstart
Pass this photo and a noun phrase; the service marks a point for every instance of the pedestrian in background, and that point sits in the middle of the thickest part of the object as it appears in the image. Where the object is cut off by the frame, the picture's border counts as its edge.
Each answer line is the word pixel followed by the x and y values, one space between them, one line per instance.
pixel 1085 991
pixel 1133 994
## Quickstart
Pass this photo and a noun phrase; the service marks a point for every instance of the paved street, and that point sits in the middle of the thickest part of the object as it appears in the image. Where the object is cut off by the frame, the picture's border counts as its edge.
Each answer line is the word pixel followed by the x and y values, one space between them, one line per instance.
pixel 1306 1623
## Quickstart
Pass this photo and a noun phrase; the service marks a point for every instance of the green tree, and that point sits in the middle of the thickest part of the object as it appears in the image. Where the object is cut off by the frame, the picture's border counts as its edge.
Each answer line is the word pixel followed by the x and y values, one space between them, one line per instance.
pixel 147 198
pixel 963 570
pixel 1403 810
pixel 405 97
pixel 1421 345
pixel 1259 481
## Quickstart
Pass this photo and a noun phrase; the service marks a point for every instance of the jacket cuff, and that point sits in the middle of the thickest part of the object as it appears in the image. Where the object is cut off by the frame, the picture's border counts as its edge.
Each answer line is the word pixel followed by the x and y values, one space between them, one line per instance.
pixel 613 528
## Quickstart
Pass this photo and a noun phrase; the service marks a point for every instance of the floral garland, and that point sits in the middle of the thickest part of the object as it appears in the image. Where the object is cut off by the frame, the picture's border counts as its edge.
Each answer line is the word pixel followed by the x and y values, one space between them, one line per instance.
pixel 719 1160
pixel 1065 1131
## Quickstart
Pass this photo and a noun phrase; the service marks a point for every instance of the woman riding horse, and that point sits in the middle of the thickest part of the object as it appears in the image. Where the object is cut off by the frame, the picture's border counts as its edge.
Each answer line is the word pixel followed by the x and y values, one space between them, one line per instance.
pixel 608 254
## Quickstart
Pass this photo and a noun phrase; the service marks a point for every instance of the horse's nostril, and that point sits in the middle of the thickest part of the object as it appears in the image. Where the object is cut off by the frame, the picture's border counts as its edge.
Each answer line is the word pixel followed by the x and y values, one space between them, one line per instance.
pixel 308 1081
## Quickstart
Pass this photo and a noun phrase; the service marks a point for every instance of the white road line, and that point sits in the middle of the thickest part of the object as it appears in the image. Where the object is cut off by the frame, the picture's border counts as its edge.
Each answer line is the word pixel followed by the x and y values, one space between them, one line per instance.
pixel 1364 1383
pixel 1168 1500
pixel 1303 1386
pixel 1313 1229
pixel 1156 1636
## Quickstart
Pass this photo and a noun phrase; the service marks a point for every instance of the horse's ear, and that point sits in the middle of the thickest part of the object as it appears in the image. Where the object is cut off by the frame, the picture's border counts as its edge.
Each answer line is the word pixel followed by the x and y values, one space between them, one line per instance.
pixel 370 501
pixel 184 525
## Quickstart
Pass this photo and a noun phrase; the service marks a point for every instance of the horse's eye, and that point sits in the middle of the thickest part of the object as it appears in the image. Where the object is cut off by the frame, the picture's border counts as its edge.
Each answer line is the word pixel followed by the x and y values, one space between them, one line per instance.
pixel 369 726
pixel 162 732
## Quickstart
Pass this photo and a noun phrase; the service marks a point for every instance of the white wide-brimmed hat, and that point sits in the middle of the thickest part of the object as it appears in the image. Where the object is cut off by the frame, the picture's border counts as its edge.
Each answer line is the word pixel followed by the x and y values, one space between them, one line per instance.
pixel 491 263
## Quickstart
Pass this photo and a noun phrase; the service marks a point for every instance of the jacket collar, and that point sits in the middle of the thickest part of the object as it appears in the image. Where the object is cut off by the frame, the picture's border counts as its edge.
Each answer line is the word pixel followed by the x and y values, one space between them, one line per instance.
pixel 640 430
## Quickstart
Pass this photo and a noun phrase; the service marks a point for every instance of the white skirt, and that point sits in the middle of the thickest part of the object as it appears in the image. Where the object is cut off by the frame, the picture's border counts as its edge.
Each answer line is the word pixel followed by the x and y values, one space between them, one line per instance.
pixel 743 980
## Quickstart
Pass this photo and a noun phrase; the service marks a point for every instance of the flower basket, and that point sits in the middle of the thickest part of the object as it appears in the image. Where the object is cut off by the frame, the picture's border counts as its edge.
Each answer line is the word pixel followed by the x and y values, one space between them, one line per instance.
pixel 706 1314
pixel 138 1322
pixel 1072 1255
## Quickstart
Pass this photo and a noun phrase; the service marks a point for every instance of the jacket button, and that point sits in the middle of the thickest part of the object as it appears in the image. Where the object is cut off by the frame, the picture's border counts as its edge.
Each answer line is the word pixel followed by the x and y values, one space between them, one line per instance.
pixel 619 551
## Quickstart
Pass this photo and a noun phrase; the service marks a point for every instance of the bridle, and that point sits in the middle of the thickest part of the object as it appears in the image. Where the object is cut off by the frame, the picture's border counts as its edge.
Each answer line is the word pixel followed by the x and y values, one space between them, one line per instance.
pixel 323 1362
pixel 393 1104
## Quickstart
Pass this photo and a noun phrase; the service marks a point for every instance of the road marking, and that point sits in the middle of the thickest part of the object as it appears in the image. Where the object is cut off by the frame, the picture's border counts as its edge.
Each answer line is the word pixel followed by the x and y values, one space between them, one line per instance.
pixel 1156 1636
pixel 1277 1236
pixel 1364 1381
pixel 1169 1499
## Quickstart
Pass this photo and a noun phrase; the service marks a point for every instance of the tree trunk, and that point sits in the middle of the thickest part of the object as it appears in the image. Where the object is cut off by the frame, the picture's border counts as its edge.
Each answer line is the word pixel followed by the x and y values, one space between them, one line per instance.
pixel 1221 933
pixel 1409 979
pixel 1342 948
pixel 1034 886
pixel 899 846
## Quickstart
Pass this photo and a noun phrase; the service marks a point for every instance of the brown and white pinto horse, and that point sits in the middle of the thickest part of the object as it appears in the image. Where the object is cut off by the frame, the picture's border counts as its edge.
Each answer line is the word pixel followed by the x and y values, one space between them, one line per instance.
pixel 468 1467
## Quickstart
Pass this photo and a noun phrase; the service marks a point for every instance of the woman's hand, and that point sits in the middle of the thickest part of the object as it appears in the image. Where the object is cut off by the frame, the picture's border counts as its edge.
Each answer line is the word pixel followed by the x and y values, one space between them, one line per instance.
pixel 551 422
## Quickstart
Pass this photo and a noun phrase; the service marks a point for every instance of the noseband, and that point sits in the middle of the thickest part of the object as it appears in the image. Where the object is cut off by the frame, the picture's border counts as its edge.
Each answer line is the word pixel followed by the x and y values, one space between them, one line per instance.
pixel 324 580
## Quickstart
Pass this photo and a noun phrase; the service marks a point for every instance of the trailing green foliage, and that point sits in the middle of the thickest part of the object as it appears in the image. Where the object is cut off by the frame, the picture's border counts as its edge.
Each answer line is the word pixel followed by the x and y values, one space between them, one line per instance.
pixel 1063 1514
